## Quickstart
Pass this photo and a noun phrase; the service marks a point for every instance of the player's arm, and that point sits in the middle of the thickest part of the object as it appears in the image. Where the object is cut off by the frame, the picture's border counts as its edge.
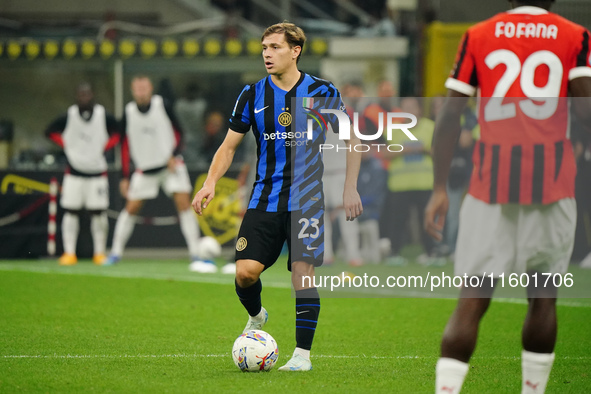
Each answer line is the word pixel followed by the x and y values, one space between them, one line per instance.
pixel 579 84
pixel 178 136
pixel 56 128
pixel 176 126
pixel 125 157
pixel 113 131
pixel 351 199
pixel 219 165
pixel 446 134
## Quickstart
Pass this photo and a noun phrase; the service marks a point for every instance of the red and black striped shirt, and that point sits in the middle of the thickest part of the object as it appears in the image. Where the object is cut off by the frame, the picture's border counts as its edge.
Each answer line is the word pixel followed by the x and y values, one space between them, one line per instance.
pixel 522 62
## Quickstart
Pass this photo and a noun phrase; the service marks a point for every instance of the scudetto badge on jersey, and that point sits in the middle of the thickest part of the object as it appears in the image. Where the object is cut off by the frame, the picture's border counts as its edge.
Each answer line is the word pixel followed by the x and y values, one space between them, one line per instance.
pixel 241 244
pixel 284 118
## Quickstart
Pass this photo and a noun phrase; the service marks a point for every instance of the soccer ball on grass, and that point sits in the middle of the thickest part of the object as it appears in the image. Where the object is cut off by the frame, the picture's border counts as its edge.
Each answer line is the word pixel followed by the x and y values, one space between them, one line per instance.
pixel 255 351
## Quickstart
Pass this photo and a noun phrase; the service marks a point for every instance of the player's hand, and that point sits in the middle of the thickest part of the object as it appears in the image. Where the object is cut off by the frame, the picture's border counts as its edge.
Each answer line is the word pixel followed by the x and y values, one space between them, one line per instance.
pixel 435 214
pixel 171 165
pixel 352 203
pixel 206 193
pixel 124 187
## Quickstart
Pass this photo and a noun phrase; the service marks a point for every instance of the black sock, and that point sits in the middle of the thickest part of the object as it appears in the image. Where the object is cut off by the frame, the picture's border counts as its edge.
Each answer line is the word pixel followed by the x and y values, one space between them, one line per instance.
pixel 250 297
pixel 307 311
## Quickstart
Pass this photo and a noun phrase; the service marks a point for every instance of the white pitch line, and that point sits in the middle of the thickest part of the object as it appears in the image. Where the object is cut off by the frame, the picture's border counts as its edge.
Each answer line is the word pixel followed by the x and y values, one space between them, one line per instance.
pixel 361 356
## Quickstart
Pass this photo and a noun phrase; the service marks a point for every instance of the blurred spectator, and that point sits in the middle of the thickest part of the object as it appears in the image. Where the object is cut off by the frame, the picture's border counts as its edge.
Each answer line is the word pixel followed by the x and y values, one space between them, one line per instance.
pixel 353 94
pixel 166 91
pixel 374 113
pixel 459 175
pixel 380 24
pixel 372 177
pixel 334 184
pixel 372 190
pixel 190 111
pixel 85 132
pixel 214 135
pixel 410 181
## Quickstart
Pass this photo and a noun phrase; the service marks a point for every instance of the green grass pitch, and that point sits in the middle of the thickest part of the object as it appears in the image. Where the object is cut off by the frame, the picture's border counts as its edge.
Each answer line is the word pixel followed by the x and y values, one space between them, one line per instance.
pixel 154 327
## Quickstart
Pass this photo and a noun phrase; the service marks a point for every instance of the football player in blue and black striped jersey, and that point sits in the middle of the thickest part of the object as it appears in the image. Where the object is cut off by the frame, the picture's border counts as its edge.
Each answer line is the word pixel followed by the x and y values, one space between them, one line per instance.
pixel 286 203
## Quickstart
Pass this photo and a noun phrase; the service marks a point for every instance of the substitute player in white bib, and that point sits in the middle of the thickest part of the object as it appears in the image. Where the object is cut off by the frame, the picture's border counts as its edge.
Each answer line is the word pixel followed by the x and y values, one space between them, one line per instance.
pixel 151 138
pixel 85 132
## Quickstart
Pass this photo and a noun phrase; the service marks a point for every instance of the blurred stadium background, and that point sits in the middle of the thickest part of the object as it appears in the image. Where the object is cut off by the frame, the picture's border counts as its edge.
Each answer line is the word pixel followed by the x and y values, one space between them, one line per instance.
pixel 150 325
pixel 200 53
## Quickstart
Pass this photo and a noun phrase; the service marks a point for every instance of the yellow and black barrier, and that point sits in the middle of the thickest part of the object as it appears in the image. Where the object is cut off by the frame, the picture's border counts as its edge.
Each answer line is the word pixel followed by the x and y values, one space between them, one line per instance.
pixel 142 48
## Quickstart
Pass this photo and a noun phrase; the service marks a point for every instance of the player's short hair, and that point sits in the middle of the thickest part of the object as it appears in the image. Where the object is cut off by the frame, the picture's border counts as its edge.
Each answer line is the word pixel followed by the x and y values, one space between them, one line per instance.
pixel 294 35
pixel 141 76
pixel 84 85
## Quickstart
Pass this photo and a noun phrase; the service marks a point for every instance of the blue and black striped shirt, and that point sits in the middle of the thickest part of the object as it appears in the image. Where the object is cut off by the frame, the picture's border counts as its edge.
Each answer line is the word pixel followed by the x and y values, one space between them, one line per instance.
pixel 289 165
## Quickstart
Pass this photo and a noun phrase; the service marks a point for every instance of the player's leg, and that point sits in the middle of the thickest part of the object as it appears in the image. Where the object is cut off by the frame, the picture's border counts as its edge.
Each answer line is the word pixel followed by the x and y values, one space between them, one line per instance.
pixel 306 246
pixel 99 228
pixel 461 331
pixel 187 221
pixel 178 185
pixel 481 249
pixel 248 288
pixel 307 309
pixel 459 339
pixel 548 231
pixel 333 198
pixel 188 224
pixel 396 214
pixel 369 231
pixel 70 230
pixel 260 240
pixel 350 236
pixel 328 247
pixel 141 187
pixel 71 201
pixel 123 229
pixel 97 202
pixel 538 338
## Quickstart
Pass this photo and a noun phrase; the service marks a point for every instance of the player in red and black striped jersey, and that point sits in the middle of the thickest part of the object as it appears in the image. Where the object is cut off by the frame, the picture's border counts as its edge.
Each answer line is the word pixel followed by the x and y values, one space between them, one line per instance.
pixel 519 215
pixel 85 132
pixel 515 55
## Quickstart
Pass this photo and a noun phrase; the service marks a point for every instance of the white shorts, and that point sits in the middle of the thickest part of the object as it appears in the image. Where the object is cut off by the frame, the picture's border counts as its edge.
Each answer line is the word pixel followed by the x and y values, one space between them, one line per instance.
pixel 512 238
pixel 91 193
pixel 145 186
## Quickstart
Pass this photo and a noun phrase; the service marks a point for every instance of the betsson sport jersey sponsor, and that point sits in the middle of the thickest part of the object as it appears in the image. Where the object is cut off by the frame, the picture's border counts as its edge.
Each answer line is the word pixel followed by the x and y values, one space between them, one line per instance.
pixel 524 155
pixel 289 166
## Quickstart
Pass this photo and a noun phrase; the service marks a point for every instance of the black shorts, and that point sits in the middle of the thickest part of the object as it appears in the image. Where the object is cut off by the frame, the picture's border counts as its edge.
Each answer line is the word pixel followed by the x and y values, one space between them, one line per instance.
pixel 263 234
